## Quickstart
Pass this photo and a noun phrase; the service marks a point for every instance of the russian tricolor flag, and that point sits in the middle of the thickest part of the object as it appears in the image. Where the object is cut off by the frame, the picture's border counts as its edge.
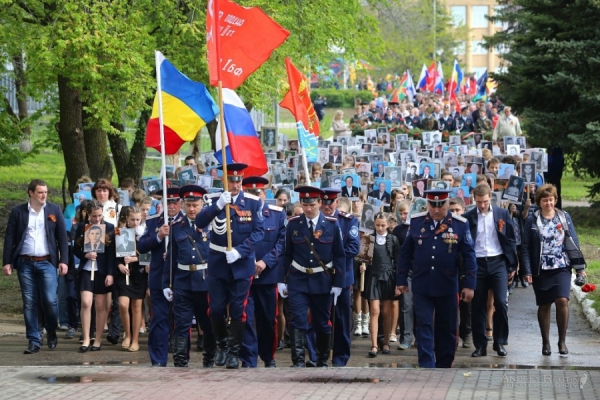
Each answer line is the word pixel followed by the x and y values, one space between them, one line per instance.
pixel 241 142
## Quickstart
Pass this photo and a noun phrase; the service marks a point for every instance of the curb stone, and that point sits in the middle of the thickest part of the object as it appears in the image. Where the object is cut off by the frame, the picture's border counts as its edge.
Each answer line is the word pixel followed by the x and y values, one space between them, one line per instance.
pixel 586 306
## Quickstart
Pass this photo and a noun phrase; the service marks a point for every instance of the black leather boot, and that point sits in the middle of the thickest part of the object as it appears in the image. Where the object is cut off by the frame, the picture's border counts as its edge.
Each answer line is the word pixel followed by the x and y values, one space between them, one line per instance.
pixel 322 348
pixel 297 338
pixel 220 332
pixel 180 352
pixel 210 349
pixel 236 335
pixel 200 343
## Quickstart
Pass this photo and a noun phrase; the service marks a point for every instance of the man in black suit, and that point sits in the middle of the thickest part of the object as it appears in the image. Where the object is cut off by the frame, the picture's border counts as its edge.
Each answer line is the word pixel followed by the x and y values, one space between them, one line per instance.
pixel 350 190
pixel 94 244
pixel 335 156
pixel 35 245
pixel 381 194
pixel 494 236
pixel 380 171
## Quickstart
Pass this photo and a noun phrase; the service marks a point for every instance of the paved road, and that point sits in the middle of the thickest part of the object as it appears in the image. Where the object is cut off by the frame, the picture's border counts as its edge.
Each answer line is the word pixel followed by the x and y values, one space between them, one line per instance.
pixel 524 372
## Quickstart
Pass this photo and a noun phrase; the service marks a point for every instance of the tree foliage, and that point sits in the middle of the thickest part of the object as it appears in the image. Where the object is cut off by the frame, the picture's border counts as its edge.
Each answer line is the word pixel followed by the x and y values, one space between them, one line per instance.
pixel 553 78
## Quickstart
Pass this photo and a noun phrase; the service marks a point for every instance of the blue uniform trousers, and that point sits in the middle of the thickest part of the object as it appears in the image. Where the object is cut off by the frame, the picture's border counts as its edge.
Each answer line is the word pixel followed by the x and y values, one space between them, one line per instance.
pixel 261 318
pixel 158 335
pixel 436 329
pixel 186 305
pixel 490 275
pixel 230 291
pixel 320 309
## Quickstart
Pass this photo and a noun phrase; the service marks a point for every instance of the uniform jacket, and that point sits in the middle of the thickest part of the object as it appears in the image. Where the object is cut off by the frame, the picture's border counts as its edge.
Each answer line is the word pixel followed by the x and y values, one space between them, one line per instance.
pixel 270 248
pixel 506 233
pixel 247 230
pixel 432 254
pixel 182 252
pixel 349 228
pixel 56 234
pixel 105 262
pixel 149 242
pixel 327 242
pixel 465 124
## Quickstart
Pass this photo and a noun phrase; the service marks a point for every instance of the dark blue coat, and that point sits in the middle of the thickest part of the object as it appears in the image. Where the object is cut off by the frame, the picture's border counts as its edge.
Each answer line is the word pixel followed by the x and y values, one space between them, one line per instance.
pixel 183 252
pixel 433 261
pixel 465 124
pixel 327 242
pixel 246 233
pixel 149 242
pixel 269 249
pixel 349 227
pixel 56 234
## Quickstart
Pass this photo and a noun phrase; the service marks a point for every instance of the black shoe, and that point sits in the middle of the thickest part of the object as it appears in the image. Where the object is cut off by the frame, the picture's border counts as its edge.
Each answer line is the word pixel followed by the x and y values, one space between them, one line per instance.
pixel 297 338
pixel 52 340
pixel 112 339
pixel 270 364
pixel 546 350
pixel 96 348
pixel 498 348
pixel 83 349
pixel 180 353
pixel 157 365
pixel 373 354
pixel 384 350
pixel 234 344
pixel 480 352
pixel 220 332
pixel 310 364
pixel 200 343
pixel 32 349
pixel 562 350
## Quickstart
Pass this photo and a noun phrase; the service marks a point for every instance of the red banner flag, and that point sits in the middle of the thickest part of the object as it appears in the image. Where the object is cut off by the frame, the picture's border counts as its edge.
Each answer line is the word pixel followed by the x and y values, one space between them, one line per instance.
pixel 298 101
pixel 431 75
pixel 238 41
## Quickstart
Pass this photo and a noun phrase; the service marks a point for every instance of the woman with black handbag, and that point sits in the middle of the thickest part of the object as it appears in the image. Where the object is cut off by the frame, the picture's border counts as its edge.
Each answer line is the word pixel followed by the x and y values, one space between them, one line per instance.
pixel 549 251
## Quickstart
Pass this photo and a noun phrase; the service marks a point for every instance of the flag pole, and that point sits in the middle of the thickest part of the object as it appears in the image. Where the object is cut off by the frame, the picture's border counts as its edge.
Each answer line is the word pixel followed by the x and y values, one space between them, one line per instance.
pixel 224 163
pixel 163 168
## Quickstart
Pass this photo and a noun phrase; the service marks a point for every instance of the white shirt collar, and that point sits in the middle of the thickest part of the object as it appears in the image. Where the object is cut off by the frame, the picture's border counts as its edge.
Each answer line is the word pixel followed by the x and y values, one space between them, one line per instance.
pixel 490 210
pixel 30 208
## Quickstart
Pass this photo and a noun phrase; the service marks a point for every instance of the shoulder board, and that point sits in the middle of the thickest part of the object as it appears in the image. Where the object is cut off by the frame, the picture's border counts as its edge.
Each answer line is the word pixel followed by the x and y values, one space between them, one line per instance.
pixel 296 218
pixel 251 196
pixel 153 217
pixel 331 219
pixel 275 208
pixel 459 218
pixel 176 220
pixel 345 214
pixel 215 195
pixel 421 214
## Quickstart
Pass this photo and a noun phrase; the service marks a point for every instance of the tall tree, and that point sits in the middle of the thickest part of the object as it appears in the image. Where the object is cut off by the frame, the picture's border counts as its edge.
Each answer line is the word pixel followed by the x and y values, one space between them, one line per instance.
pixel 552 77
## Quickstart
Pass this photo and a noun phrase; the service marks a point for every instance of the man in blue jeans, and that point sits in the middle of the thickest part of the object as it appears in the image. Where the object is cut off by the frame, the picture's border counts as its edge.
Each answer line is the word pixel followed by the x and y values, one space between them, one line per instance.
pixel 36 245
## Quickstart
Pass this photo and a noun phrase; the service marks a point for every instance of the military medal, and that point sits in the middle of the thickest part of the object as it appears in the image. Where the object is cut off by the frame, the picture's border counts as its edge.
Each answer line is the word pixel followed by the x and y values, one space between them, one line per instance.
pixel 317 234
pixel 420 242
pixel 422 230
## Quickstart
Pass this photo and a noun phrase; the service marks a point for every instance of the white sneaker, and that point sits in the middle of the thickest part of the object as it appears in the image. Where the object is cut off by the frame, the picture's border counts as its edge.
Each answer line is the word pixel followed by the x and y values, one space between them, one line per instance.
pixel 365 324
pixel 357 324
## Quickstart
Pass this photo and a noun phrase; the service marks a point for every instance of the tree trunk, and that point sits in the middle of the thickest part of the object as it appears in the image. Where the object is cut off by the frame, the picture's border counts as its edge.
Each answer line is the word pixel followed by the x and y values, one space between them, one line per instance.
pixel 130 164
pixel 21 90
pixel 197 147
pixel 70 132
pixel 96 149
pixel 173 159
pixel 212 131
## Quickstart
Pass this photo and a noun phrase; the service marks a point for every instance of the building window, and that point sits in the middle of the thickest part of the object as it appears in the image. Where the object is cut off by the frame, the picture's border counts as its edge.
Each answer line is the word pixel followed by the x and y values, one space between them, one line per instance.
pixel 460 49
pixel 478 17
pixel 499 24
pixel 477 47
pixel 459 15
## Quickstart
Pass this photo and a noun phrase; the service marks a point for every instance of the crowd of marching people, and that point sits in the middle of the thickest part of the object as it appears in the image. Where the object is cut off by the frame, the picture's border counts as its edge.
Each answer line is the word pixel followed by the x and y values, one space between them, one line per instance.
pixel 380 238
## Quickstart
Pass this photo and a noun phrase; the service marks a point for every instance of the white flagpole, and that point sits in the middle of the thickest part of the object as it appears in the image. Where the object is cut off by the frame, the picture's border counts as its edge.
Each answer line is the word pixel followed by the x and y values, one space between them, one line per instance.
pixel 304 161
pixel 163 170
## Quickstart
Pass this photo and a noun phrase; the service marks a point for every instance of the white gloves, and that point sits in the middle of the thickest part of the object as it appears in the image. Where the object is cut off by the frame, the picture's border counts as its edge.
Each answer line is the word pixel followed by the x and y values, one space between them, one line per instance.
pixel 233 255
pixel 282 289
pixel 168 294
pixel 335 291
pixel 223 200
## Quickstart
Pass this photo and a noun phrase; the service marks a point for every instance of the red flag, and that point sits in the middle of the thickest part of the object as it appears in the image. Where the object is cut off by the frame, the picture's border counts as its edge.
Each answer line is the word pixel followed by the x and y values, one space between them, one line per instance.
pixel 297 99
pixel 431 76
pixel 238 41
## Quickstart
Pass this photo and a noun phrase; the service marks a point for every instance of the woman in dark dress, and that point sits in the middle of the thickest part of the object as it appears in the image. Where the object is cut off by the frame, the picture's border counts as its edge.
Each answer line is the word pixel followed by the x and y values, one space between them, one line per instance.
pixel 132 292
pixel 380 282
pixel 543 257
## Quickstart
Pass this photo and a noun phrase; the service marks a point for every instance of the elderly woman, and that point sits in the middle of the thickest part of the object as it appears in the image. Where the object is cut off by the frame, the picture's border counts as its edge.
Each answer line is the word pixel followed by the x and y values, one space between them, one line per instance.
pixel 546 264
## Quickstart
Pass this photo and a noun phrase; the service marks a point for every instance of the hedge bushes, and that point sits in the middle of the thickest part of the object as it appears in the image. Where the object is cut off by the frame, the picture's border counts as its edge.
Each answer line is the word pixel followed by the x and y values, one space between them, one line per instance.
pixel 341 98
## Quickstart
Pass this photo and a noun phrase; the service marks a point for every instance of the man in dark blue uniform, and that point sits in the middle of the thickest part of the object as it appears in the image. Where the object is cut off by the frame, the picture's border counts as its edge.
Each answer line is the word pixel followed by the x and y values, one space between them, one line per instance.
pixel 188 255
pixel 464 123
pixel 153 240
pixel 343 309
pixel 433 242
pixel 262 302
pixel 231 271
pixel 312 269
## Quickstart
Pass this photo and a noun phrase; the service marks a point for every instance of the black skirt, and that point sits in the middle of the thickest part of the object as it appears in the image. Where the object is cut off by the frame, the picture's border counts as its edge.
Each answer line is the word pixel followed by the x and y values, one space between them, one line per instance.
pixel 97 286
pixel 138 282
pixel 380 286
pixel 552 284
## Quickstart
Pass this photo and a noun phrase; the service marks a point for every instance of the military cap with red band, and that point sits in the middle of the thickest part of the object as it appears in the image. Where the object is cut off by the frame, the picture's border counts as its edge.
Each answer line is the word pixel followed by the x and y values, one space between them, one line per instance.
pixel 437 197
pixel 235 171
pixel 329 195
pixel 309 194
pixel 192 192
pixel 255 182
pixel 173 194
